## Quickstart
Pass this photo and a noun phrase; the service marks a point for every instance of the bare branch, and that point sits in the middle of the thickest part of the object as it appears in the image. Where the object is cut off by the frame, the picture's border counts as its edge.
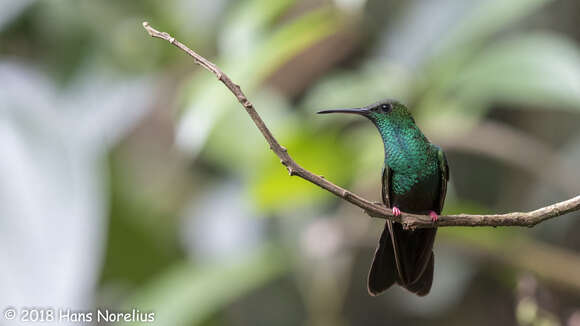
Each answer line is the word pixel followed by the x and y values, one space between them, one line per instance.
pixel 373 209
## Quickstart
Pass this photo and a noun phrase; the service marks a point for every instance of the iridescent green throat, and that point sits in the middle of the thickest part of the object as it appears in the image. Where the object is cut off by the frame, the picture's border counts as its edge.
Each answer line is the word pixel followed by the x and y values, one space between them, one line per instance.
pixel 407 151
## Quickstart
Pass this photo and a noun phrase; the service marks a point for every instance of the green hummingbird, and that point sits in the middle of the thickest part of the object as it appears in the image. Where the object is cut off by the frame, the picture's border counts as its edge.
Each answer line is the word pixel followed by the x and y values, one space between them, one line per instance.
pixel 414 180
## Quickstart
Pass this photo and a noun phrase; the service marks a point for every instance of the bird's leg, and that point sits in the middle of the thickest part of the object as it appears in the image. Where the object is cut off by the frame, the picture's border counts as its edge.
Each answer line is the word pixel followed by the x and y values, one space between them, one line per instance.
pixel 434 216
pixel 396 211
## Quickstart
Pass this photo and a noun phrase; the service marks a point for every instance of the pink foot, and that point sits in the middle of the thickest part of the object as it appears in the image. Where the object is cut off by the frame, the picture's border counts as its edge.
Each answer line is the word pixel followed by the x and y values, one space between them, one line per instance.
pixel 434 216
pixel 396 211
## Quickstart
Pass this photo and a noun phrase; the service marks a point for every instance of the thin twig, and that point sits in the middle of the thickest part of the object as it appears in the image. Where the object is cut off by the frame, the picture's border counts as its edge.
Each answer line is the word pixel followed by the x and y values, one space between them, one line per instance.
pixel 373 209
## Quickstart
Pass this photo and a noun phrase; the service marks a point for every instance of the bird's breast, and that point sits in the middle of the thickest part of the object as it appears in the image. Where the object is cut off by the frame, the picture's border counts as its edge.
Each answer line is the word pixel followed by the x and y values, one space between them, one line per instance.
pixel 420 198
pixel 411 164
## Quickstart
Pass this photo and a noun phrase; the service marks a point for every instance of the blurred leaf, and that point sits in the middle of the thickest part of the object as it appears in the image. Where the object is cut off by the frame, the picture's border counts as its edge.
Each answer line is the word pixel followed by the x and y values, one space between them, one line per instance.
pixel 320 153
pixel 141 239
pixel 209 99
pixel 11 9
pixel 487 18
pixel 292 39
pixel 538 69
pixel 455 53
pixel 236 143
pixel 188 294
pixel 247 24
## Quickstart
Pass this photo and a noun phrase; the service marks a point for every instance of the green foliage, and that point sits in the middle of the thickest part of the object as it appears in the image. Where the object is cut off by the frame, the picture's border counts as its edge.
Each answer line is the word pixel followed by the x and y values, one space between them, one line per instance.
pixel 485 19
pixel 273 189
pixel 208 102
pixel 187 294
pixel 535 70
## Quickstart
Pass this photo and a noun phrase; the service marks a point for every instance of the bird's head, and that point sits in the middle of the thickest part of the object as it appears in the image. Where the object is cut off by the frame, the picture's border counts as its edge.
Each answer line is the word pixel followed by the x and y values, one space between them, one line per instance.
pixel 386 110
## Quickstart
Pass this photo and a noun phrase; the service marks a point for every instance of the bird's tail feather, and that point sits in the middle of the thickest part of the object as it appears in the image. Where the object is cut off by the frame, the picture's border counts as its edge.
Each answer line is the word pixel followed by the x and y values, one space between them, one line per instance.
pixel 422 286
pixel 383 272
pixel 414 252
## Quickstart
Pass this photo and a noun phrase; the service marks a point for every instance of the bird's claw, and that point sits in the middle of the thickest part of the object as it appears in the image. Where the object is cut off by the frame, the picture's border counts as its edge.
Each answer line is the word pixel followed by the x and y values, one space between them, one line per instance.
pixel 396 211
pixel 434 216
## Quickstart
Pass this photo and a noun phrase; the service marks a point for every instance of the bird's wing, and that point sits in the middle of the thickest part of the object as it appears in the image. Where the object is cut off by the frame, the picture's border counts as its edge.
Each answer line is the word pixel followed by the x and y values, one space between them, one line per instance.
pixel 385 190
pixel 444 170
pixel 386 180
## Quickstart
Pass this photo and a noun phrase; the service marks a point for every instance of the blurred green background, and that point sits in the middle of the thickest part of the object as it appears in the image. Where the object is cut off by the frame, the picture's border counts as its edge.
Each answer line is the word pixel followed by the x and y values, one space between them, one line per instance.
pixel 132 179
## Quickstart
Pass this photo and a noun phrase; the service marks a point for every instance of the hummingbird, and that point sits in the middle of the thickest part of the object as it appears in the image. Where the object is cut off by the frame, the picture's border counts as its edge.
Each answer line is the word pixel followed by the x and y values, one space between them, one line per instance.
pixel 414 180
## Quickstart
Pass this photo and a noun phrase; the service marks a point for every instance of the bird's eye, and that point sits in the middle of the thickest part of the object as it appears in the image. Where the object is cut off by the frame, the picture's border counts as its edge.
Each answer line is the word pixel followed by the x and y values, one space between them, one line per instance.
pixel 386 107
